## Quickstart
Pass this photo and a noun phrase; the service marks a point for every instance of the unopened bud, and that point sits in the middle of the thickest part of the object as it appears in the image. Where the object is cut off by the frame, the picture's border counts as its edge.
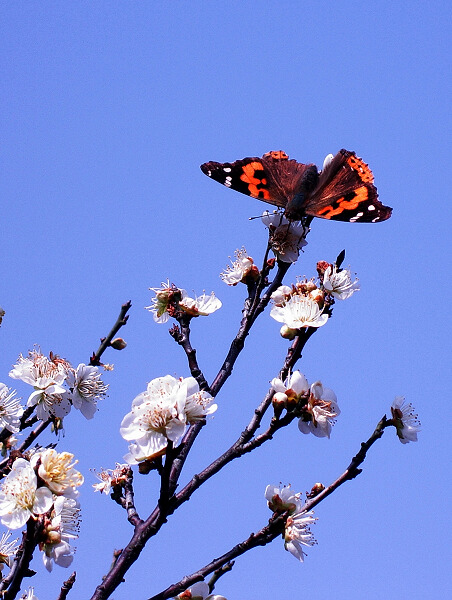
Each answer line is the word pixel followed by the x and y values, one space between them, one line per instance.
pixel 315 491
pixel 253 274
pixel 118 344
pixel 318 296
pixel 310 286
pixel 271 263
pixel 322 266
pixel 287 333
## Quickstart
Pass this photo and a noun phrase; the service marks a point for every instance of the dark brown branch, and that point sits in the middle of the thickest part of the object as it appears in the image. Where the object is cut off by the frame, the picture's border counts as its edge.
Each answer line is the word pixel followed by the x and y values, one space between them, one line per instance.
pixel 266 535
pixel 20 569
pixel 269 534
pixel 67 586
pixel 105 342
pixel 352 470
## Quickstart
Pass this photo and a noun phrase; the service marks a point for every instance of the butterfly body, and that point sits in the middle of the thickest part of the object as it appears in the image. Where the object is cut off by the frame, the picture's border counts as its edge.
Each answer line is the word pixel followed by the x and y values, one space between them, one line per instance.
pixel 342 191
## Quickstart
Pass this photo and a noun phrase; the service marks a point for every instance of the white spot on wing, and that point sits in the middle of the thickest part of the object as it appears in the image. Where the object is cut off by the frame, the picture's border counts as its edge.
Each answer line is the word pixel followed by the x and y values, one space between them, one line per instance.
pixel 371 207
pixel 227 169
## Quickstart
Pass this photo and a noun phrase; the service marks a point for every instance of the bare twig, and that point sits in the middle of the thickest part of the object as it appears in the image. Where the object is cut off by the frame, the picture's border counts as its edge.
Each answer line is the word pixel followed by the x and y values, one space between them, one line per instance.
pixel 105 342
pixel 67 586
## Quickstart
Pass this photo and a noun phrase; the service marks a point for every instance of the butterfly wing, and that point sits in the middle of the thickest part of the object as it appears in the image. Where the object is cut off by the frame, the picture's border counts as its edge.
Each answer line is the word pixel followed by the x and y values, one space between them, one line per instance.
pixel 274 178
pixel 345 192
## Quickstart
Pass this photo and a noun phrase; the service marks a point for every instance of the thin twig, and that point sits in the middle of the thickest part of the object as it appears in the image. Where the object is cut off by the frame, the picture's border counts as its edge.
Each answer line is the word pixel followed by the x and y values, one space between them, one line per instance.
pixel 67 586
pixel 105 342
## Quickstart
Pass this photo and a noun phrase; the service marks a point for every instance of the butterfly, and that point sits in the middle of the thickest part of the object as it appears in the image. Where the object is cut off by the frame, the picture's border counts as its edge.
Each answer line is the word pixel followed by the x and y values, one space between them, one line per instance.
pixel 342 191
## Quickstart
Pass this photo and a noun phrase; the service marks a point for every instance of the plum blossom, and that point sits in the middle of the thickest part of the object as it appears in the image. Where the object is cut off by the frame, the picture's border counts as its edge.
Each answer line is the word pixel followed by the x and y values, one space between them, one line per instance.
pixel 161 413
pixel 47 376
pixel 86 388
pixel 298 312
pixel 405 420
pixel 62 527
pixel 57 471
pixel 203 305
pixel 109 478
pixel 286 237
pixel 11 409
pixel 29 594
pixel 296 532
pixel 282 499
pixel 320 412
pixel 339 283
pixel 199 591
pixel 8 549
pixel 240 269
pixel 20 498
pixel 162 304
pixel 289 392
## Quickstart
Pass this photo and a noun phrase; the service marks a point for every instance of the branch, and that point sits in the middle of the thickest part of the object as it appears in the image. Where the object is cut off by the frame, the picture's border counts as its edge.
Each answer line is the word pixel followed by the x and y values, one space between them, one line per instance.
pixel 66 587
pixel 266 535
pixel 105 342
pixel 20 568
pixel 352 470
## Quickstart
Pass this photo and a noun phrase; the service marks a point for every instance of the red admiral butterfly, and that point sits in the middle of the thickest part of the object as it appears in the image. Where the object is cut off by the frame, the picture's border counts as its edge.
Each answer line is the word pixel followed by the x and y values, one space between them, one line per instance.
pixel 342 191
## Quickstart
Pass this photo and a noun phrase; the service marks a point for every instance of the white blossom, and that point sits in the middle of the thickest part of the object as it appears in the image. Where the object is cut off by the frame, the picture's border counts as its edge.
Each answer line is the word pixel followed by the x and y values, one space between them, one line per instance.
pixel 339 283
pixel 199 403
pixel 281 295
pixel 405 420
pixel 299 312
pixel 164 296
pixel 11 410
pixel 203 305
pixel 62 527
pixel 8 549
pixel 240 268
pixel 286 237
pixel 282 499
pixel 291 390
pixel 86 388
pixel 157 416
pixel 50 397
pixel 321 411
pixel 57 471
pixel 297 533
pixel 109 478
pixel 20 498
pixel 29 594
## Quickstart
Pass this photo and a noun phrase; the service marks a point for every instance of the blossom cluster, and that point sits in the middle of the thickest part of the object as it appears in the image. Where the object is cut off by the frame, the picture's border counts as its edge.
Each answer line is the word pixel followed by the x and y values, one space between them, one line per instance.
pixel 169 301
pixel 296 531
pixel 57 386
pixel 306 304
pixel 43 485
pixel 161 414
pixel 316 404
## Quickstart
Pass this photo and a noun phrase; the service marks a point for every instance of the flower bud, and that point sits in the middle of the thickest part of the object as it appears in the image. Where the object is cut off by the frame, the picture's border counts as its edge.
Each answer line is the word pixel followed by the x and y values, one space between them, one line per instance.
pixel 322 266
pixel 315 491
pixel 118 344
pixel 287 333
pixel 318 296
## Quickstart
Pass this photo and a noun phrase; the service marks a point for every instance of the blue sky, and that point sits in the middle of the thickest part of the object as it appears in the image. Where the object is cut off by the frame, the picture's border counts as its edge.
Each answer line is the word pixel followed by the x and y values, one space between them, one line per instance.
pixel 107 111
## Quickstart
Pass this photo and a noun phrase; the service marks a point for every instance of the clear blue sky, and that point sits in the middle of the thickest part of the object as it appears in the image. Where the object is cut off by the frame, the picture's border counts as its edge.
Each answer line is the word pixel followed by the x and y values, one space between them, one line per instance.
pixel 107 111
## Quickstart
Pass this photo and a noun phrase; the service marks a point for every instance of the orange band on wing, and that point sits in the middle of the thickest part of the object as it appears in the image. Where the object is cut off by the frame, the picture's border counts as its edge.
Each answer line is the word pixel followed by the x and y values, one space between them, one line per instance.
pixel 361 195
pixel 358 165
pixel 248 176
